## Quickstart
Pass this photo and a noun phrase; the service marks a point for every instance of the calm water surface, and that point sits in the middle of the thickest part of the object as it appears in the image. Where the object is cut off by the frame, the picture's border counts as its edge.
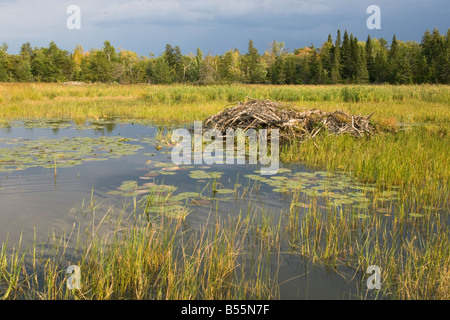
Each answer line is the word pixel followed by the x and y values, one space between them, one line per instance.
pixel 34 201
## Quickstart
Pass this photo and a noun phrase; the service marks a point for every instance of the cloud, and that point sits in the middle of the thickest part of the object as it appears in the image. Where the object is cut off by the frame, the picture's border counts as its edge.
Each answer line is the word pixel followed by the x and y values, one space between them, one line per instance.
pixel 190 12
pixel 148 12
pixel 216 25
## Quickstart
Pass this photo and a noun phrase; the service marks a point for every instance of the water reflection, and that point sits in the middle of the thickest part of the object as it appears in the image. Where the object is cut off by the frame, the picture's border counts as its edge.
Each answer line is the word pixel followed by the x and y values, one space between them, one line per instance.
pixel 33 205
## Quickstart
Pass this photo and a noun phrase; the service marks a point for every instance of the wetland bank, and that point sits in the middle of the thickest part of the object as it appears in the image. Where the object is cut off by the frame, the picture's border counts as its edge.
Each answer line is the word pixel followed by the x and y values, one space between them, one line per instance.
pixel 86 179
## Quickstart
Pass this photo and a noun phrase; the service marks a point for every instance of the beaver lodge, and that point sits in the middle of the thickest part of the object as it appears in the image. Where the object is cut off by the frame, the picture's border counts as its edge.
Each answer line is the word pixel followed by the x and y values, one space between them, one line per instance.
pixel 292 124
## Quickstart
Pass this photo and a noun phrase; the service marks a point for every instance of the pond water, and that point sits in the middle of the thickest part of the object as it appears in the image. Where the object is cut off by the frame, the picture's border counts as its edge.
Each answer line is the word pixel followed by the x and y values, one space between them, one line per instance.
pixel 47 168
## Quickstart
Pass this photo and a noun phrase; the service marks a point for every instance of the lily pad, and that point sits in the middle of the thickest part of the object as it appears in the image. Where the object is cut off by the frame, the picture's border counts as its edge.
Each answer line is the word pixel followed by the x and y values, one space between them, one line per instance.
pixel 279 178
pixel 64 152
pixel 284 170
pixel 189 194
pixel 201 174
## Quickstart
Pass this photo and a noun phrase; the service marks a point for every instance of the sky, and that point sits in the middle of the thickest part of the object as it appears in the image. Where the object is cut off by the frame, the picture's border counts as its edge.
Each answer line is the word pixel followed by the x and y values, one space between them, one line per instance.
pixel 214 26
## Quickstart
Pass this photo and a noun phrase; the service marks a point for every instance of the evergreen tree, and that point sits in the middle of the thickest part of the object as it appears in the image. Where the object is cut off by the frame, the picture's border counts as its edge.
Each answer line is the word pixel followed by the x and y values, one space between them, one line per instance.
pixel 346 58
pixel 290 69
pixel 429 54
pixel 173 58
pixel 303 66
pixel 159 72
pixel 446 75
pixel 380 68
pixel 335 73
pixel 251 62
pixel 393 60
pixel 278 75
pixel 362 74
pixel 421 69
pixel 440 57
pixel 276 49
pixel 354 61
pixel 316 74
pixel 326 58
pixel 370 59
pixel 346 61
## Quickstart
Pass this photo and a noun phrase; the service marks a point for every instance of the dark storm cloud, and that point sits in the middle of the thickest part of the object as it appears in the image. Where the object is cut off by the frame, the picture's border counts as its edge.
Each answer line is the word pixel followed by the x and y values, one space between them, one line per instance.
pixel 213 25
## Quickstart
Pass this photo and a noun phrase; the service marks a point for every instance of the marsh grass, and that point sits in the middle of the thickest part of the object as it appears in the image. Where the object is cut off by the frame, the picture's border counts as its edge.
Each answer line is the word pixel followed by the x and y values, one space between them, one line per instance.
pixel 412 250
pixel 413 253
pixel 162 259
pixel 416 161
pixel 132 255
pixel 182 103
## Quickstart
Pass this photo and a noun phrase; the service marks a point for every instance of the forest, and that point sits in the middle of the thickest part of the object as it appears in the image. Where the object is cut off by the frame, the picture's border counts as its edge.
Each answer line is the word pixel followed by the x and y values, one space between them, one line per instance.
pixel 343 60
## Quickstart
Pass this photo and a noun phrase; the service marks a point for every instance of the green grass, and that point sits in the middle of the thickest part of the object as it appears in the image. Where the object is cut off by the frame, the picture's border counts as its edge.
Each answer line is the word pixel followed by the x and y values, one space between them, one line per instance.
pixel 410 242
pixel 416 160
pixel 128 254
pixel 412 253
pixel 182 103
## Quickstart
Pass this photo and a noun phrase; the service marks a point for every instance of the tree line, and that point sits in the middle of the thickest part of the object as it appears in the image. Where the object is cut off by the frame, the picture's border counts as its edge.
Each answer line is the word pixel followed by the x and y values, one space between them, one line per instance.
pixel 342 60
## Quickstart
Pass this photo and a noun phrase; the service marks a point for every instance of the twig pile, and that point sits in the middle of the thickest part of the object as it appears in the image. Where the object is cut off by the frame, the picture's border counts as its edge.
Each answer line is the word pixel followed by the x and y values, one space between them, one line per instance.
pixel 266 114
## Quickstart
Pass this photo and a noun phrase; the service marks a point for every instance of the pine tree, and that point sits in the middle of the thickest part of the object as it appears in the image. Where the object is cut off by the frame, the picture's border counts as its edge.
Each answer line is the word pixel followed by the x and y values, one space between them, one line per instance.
pixel 354 61
pixel 346 58
pixel 393 60
pixel 427 52
pixel 362 74
pixel 173 58
pixel 290 69
pixel 326 58
pixel 278 75
pixel 335 73
pixel 381 67
pixel 439 56
pixel 370 59
pixel 276 49
pixel 253 68
pixel 160 72
pixel 316 74
pixel 421 69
